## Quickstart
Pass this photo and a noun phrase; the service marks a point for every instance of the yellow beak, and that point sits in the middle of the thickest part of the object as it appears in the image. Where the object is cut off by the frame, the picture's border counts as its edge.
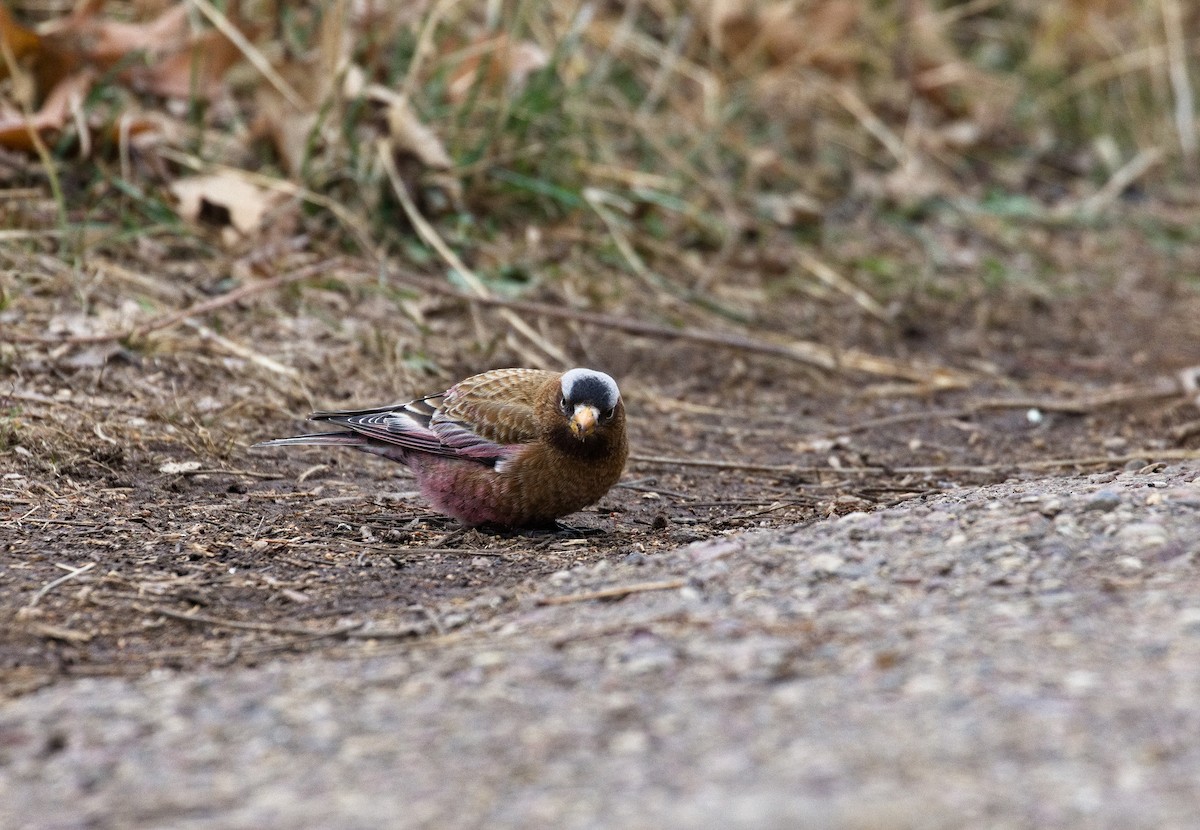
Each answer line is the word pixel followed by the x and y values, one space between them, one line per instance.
pixel 583 422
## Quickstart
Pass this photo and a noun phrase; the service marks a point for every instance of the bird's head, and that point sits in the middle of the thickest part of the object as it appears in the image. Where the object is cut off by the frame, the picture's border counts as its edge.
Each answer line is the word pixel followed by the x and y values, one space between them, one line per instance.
pixel 591 403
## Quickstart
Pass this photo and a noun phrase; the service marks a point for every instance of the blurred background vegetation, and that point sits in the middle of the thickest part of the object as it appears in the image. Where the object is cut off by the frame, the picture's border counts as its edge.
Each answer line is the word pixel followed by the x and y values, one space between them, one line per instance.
pixel 672 160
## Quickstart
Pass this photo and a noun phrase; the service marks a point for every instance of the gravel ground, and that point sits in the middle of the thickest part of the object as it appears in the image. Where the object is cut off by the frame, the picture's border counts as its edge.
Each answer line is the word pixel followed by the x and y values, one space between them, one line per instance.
pixel 1019 655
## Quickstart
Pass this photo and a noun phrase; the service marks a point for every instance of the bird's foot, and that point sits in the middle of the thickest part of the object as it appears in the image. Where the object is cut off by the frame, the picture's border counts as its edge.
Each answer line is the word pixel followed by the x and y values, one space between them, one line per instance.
pixel 564 530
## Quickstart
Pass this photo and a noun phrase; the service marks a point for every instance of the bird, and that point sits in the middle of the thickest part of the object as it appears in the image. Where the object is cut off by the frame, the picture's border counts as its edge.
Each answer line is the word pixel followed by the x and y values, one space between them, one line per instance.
pixel 511 448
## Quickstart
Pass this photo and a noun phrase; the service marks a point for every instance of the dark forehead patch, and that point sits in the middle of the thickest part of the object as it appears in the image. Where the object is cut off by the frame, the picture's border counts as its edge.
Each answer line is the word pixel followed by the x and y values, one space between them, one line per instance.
pixel 590 387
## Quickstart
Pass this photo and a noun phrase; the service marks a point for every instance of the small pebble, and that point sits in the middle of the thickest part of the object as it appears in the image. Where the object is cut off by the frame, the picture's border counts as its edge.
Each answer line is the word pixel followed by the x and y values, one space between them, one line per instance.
pixel 826 563
pixel 1103 501
pixel 1142 535
pixel 456 620
pixel 1010 564
pixel 631 742
pixel 1189 620
pixel 1080 681
pixel 1051 507
pixel 489 659
pixel 1130 563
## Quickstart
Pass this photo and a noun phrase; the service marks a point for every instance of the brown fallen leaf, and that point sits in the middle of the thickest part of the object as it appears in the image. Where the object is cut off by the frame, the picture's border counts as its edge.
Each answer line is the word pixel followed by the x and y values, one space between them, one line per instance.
pixel 105 42
pixel 959 89
pixel 226 201
pixel 18 40
pixel 785 34
pixel 298 131
pixel 196 72
pixel 410 136
pixel 420 157
pixel 16 130
pixel 175 62
pixel 289 131
pixel 56 68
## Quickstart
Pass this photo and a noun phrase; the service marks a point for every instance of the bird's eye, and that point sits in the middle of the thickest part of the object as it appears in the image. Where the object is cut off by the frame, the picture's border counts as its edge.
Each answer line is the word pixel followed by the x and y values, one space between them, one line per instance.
pixel 563 405
pixel 608 416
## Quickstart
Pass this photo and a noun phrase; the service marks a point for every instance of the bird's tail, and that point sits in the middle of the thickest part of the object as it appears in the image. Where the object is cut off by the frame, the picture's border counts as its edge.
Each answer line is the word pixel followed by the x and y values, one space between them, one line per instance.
pixel 326 439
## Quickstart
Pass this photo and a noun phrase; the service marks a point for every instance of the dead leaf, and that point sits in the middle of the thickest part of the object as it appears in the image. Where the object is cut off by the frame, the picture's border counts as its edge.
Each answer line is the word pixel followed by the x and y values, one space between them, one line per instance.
pixel 175 62
pixel 787 33
pixel 196 72
pixel 289 131
pixel 45 63
pixel 959 88
pixel 497 64
pixel 16 130
pixel 82 38
pixel 141 129
pixel 420 158
pixel 409 136
pixel 105 42
pixel 818 35
pixel 17 39
pixel 298 132
pixel 56 69
pixel 226 201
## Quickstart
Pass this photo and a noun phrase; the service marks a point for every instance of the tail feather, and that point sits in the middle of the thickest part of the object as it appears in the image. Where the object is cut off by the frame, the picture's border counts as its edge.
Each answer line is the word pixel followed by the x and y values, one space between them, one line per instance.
pixel 326 439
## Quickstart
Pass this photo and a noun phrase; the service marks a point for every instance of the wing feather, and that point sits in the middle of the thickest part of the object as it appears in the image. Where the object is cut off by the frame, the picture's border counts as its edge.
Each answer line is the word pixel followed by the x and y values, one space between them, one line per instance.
pixel 485 418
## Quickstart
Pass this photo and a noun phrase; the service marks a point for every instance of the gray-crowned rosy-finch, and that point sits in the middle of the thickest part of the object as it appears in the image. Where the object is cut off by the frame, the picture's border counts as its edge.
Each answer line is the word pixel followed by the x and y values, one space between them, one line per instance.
pixel 511 447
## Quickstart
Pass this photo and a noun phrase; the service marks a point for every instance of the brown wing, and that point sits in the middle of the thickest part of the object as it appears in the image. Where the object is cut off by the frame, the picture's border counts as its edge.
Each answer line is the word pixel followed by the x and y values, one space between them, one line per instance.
pixel 498 406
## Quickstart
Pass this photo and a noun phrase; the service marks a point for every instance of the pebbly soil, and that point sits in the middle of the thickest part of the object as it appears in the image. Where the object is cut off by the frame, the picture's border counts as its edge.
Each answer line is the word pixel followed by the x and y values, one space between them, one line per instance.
pixel 1024 654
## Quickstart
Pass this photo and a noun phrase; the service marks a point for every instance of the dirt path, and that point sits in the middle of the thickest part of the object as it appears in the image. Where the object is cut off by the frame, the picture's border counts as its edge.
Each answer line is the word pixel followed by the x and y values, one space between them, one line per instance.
pixel 1013 655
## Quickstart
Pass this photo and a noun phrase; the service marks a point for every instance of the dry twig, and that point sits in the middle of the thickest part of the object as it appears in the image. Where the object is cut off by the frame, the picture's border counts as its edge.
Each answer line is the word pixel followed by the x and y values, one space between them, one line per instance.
pixel 267 628
pixel 806 352
pixel 1103 198
pixel 937 469
pixel 50 586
